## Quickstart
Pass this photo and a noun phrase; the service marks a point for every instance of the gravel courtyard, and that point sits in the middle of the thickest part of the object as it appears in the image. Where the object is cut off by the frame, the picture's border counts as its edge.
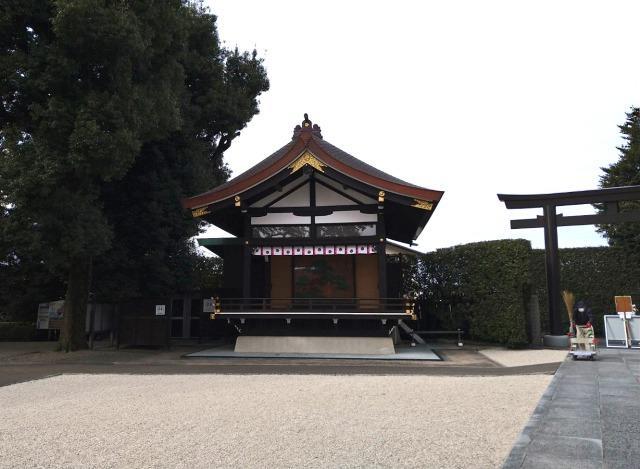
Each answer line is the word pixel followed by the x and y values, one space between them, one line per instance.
pixel 268 421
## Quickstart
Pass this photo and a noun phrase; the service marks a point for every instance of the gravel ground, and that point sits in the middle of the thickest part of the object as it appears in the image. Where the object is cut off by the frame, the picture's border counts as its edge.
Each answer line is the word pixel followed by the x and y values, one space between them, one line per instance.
pixel 264 421
pixel 524 357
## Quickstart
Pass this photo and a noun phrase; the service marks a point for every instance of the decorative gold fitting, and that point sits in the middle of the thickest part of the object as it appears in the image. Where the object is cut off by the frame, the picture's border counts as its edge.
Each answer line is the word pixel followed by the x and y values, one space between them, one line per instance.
pixel 237 201
pixel 381 195
pixel 410 309
pixel 200 212
pixel 212 316
pixel 423 204
pixel 307 158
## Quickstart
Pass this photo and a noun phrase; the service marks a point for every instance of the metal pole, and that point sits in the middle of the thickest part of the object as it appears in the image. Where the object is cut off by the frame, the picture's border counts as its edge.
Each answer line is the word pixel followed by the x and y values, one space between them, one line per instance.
pixel 553 269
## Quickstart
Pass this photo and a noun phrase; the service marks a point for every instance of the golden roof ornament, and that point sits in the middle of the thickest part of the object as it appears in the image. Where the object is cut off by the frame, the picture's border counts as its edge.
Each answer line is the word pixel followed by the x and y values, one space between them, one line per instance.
pixel 307 158
pixel 423 204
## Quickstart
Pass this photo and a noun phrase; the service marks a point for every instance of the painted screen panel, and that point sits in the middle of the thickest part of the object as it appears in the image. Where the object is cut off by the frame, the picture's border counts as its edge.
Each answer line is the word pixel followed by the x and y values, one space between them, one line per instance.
pixel 323 277
pixel 280 231
pixel 346 230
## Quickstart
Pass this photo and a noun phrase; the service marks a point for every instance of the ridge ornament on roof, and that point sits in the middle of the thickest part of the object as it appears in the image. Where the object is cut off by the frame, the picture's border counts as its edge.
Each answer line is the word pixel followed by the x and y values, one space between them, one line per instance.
pixel 307 126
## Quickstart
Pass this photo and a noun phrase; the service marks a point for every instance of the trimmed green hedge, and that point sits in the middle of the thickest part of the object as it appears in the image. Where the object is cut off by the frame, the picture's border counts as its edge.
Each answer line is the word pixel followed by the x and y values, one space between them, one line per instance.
pixel 482 287
pixel 17 331
pixel 594 275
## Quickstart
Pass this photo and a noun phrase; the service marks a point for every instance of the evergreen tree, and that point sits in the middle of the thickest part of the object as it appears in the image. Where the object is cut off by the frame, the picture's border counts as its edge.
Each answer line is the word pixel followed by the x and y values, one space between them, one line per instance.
pixel 111 111
pixel 625 172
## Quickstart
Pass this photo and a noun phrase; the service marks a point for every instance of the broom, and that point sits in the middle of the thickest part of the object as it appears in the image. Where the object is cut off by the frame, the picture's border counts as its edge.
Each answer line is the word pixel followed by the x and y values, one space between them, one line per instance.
pixel 569 300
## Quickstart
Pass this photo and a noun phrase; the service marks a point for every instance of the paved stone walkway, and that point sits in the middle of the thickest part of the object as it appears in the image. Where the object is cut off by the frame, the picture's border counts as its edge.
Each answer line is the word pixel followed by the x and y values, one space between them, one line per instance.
pixel 589 417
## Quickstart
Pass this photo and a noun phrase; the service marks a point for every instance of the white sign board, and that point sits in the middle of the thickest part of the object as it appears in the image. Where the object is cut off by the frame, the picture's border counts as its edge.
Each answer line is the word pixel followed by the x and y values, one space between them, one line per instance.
pixel 615 331
pixel 621 332
pixel 634 331
pixel 160 310
pixel 43 316
pixel 207 305
pixel 56 309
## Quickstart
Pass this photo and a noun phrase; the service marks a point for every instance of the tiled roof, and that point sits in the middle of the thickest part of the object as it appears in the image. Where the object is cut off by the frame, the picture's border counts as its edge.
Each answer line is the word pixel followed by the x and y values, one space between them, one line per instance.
pixel 308 136
pixel 356 163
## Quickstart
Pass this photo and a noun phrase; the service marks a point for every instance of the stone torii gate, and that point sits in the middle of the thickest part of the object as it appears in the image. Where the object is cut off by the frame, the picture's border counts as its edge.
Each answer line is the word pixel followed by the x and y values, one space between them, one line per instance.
pixel 550 221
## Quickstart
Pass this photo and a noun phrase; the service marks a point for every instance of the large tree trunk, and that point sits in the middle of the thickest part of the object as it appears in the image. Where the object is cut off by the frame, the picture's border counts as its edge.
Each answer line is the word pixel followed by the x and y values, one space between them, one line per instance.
pixel 72 335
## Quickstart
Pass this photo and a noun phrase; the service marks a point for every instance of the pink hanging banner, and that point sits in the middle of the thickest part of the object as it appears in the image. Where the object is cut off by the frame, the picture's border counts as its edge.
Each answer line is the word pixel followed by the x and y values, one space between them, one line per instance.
pixel 314 250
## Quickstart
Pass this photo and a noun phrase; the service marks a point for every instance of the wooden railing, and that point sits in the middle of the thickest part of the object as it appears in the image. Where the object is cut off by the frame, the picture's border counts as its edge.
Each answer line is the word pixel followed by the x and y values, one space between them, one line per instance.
pixel 325 305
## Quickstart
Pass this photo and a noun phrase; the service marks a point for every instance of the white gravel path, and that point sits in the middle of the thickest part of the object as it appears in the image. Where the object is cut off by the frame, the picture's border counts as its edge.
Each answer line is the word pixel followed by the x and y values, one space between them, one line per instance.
pixel 524 357
pixel 267 421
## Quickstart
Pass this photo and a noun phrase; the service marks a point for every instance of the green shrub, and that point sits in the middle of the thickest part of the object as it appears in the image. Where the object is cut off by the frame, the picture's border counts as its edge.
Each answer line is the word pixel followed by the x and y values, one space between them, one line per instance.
pixel 482 287
pixel 17 331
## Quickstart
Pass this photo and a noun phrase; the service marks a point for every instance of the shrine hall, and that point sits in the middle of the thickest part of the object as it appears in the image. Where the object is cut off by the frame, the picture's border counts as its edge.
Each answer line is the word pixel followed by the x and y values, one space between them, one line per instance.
pixel 319 236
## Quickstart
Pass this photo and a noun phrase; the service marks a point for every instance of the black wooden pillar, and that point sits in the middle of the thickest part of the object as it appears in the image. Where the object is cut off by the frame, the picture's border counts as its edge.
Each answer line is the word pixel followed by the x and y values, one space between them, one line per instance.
pixel 553 269
pixel 382 256
pixel 246 257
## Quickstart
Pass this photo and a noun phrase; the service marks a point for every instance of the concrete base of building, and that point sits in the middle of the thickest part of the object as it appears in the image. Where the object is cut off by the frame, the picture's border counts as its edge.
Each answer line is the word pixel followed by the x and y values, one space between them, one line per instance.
pixel 559 341
pixel 299 344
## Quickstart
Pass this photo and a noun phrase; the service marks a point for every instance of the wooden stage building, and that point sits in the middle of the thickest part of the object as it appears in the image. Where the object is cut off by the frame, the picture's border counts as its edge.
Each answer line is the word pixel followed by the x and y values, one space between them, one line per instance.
pixel 317 241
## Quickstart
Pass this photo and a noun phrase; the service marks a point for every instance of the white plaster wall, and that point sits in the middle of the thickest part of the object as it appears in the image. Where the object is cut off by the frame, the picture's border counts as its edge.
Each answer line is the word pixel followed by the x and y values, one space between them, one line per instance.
pixel 271 197
pixel 298 198
pixel 349 216
pixel 325 196
pixel 280 219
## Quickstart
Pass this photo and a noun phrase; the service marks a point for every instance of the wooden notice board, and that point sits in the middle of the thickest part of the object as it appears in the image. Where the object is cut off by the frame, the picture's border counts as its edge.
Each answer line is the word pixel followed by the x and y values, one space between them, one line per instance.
pixel 623 304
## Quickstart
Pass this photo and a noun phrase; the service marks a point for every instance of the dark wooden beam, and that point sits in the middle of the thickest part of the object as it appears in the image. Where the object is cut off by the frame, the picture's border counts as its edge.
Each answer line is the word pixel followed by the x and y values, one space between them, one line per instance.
pixel 246 259
pixel 317 210
pixel 612 194
pixel 577 220
pixel 312 205
pixel 382 255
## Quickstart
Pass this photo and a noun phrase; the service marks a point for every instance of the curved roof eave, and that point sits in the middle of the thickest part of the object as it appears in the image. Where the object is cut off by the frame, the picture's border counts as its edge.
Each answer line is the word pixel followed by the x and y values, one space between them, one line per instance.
pixel 339 160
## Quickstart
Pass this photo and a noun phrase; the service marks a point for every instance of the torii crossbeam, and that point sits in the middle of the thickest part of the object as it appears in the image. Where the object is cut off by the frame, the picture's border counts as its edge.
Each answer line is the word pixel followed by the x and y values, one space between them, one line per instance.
pixel 550 221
